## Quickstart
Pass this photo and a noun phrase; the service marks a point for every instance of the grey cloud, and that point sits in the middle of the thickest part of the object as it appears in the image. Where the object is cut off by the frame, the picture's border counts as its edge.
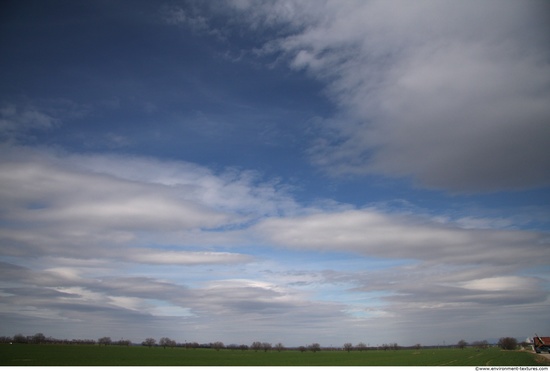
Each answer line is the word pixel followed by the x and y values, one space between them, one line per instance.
pixel 373 233
pixel 446 294
pixel 237 298
pixel 231 191
pixel 51 294
pixel 25 277
pixel 42 192
pixel 247 310
pixel 452 95
pixel 11 271
pixel 83 207
pixel 448 298
pixel 461 119
pixel 442 271
pixel 65 217
pixel 158 257
pixel 142 287
pixel 76 222
pixel 236 310
pixel 38 293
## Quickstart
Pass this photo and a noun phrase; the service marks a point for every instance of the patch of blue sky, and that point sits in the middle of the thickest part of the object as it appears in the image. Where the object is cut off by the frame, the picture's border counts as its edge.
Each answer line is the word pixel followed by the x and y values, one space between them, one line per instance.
pixel 346 293
pixel 358 304
pixel 167 309
pixel 180 101
pixel 325 260
pixel 364 312
pixel 402 195
pixel 538 271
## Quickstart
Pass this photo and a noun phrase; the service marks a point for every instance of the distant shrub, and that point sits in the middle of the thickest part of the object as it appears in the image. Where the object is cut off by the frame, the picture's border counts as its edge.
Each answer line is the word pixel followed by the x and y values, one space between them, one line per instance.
pixel 508 343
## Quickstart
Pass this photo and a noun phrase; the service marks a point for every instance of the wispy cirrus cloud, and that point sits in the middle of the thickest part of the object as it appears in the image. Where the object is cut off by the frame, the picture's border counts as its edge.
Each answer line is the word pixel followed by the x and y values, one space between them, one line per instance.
pixel 16 121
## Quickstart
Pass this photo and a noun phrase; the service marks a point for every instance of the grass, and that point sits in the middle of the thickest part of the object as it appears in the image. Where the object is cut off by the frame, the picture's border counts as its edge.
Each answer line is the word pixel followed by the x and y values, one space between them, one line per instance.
pixel 88 355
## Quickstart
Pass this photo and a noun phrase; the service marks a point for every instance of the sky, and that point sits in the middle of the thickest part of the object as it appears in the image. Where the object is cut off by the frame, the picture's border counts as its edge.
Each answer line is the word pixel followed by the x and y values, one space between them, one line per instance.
pixel 301 171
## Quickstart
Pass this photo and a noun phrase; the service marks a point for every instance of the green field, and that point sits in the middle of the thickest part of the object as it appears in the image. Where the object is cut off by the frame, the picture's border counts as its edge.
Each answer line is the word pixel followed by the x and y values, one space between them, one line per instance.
pixel 86 355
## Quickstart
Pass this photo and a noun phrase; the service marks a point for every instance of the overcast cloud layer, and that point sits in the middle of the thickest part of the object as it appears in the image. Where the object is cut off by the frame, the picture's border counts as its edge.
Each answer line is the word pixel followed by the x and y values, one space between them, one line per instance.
pixel 285 171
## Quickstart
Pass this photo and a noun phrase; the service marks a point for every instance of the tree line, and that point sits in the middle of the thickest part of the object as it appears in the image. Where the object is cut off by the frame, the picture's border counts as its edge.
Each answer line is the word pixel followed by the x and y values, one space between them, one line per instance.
pixel 506 343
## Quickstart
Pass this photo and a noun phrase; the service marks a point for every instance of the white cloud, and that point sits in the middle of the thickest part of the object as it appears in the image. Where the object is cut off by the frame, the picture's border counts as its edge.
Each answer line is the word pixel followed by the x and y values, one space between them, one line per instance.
pixel 501 283
pixel 90 239
pixel 462 301
pixel 162 257
pixel 231 190
pixel 373 233
pixel 231 310
pixel 82 207
pixel 451 94
pixel 441 270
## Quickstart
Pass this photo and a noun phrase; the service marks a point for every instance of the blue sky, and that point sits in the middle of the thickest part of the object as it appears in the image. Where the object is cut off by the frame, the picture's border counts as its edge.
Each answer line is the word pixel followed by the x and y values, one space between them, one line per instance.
pixel 283 171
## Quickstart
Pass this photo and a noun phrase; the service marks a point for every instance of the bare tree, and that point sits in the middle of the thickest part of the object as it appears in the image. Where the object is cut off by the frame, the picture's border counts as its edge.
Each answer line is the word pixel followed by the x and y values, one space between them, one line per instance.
pixel 19 339
pixel 38 338
pixel 481 344
pixel 105 341
pixel 256 345
pixel 348 347
pixel 150 342
pixel 166 341
pixel 315 347
pixel 361 346
pixel 218 345
pixel 461 344
pixel 302 349
pixel 6 340
pixel 191 345
pixel 508 343
pixel 279 347
pixel 266 346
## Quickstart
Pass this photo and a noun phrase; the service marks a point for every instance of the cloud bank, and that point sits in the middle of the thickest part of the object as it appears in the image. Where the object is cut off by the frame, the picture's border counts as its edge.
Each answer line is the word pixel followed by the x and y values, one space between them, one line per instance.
pixel 173 245
pixel 373 233
pixel 453 96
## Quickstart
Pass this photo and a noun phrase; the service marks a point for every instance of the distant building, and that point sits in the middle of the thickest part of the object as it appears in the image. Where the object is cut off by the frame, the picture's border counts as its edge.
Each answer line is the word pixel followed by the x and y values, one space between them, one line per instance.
pixel 541 344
